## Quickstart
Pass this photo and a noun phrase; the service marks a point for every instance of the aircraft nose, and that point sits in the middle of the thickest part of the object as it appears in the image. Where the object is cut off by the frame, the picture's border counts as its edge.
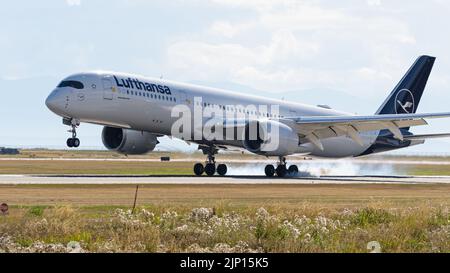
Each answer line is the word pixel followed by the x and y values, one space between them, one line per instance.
pixel 55 102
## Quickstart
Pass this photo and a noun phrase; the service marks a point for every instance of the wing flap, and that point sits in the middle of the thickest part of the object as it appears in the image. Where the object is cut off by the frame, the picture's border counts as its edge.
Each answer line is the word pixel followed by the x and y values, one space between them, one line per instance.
pixel 333 130
pixel 320 127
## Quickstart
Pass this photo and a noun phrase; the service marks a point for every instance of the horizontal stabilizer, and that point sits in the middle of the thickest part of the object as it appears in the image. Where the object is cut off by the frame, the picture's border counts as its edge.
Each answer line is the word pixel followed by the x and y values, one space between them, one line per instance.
pixel 427 136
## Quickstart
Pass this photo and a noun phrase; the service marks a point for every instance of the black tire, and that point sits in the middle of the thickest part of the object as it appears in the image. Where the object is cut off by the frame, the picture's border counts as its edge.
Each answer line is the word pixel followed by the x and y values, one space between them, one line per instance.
pixel 210 169
pixel 269 170
pixel 281 171
pixel 76 142
pixel 69 142
pixel 198 169
pixel 222 169
pixel 293 169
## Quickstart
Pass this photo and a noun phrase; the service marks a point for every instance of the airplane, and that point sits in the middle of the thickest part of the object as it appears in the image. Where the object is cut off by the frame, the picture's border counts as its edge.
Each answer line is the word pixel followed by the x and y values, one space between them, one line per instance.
pixel 135 111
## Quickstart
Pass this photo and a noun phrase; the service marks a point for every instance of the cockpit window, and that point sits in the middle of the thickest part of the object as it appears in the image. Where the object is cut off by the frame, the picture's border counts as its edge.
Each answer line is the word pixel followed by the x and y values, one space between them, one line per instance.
pixel 74 84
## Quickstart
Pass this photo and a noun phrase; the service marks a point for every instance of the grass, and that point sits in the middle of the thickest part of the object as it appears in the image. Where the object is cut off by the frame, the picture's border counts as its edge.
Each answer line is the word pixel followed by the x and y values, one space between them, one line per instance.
pixel 55 162
pixel 285 195
pixel 428 170
pixel 104 154
pixel 55 166
pixel 226 218
pixel 95 167
pixel 71 153
pixel 215 218
pixel 225 228
pixel 36 210
pixel 46 153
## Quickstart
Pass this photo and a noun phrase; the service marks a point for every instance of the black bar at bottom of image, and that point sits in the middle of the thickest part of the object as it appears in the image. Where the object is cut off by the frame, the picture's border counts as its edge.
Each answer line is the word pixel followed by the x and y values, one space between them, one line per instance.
pixel 226 262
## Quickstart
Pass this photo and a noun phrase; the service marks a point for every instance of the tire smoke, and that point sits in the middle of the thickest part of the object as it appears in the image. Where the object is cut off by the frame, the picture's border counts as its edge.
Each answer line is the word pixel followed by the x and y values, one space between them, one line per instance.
pixel 318 168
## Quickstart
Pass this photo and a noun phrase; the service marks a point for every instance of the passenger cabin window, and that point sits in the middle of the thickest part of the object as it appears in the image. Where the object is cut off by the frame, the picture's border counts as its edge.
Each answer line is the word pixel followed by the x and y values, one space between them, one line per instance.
pixel 74 84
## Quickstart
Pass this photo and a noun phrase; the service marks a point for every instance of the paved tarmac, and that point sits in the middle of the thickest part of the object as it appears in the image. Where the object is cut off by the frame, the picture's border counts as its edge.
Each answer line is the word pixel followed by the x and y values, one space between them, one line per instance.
pixel 167 179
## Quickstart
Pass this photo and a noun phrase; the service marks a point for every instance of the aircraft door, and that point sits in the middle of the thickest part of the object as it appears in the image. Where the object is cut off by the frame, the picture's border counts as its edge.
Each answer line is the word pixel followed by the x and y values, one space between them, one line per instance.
pixel 108 88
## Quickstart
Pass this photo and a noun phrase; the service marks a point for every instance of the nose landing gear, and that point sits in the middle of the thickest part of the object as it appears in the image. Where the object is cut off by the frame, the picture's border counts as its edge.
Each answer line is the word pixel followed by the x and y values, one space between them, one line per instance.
pixel 72 142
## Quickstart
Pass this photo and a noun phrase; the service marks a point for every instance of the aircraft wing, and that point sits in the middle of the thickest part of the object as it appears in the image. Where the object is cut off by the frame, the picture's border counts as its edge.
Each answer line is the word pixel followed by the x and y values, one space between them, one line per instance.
pixel 315 128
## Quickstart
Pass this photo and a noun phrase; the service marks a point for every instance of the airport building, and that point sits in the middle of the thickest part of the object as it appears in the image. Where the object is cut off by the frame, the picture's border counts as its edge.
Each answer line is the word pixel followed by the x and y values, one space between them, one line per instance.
pixel 9 151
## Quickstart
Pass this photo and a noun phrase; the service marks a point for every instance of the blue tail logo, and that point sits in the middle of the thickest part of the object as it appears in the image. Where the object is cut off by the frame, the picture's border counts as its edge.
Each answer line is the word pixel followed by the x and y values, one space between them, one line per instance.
pixel 405 97
pixel 404 102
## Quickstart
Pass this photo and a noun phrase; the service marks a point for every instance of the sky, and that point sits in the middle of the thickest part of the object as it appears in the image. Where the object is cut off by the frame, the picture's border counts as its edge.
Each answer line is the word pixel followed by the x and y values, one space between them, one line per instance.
pixel 347 54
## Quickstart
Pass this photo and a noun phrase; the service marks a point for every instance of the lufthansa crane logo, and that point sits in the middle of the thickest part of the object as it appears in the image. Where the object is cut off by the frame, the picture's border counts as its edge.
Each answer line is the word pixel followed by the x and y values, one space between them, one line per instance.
pixel 404 102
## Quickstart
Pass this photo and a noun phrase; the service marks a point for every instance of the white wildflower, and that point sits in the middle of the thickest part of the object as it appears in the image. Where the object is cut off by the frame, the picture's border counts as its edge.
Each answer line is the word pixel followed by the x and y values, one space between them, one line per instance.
pixel 222 248
pixel 201 214
pixel 262 214
pixel 293 231
pixel 74 247
pixel 182 228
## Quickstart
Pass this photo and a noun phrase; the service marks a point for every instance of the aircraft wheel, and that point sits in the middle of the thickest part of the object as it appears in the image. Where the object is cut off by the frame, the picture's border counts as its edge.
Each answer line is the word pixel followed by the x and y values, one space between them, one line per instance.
pixel 222 169
pixel 210 169
pixel 281 171
pixel 293 169
pixel 269 170
pixel 69 142
pixel 76 142
pixel 198 169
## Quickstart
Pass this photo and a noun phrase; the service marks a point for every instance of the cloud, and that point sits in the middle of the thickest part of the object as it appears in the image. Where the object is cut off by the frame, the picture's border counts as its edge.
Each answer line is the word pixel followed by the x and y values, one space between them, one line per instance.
pixel 228 30
pixel 288 45
pixel 374 2
pixel 240 63
pixel 73 2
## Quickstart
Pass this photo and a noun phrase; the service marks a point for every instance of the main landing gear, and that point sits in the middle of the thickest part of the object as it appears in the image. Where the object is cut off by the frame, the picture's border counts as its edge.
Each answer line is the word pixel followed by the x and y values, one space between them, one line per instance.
pixel 210 165
pixel 281 170
pixel 72 142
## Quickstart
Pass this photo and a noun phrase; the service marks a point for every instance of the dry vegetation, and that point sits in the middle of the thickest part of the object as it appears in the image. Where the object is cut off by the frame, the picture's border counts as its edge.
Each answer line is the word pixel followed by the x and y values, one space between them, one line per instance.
pixel 288 196
pixel 215 218
pixel 95 167
pixel 56 162
pixel 308 228
pixel 55 166
pixel 225 218
pixel 104 154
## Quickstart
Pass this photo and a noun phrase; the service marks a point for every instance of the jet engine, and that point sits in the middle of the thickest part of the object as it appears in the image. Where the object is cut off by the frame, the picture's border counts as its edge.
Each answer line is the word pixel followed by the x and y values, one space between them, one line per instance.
pixel 127 141
pixel 270 138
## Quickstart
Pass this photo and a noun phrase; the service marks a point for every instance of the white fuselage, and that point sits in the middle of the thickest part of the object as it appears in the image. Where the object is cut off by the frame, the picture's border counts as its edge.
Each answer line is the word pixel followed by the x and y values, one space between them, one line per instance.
pixel 110 99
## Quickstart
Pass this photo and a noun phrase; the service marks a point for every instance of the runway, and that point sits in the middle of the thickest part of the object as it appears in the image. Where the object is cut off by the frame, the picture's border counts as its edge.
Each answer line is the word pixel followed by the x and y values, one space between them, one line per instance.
pixel 254 161
pixel 204 180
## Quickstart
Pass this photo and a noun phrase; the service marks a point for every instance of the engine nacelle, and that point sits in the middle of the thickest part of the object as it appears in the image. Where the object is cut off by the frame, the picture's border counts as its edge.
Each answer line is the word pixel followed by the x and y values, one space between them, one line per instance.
pixel 127 141
pixel 271 138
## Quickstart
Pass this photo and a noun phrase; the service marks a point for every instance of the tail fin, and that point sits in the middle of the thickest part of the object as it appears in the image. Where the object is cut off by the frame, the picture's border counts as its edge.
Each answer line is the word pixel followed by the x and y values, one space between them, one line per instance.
pixel 406 95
